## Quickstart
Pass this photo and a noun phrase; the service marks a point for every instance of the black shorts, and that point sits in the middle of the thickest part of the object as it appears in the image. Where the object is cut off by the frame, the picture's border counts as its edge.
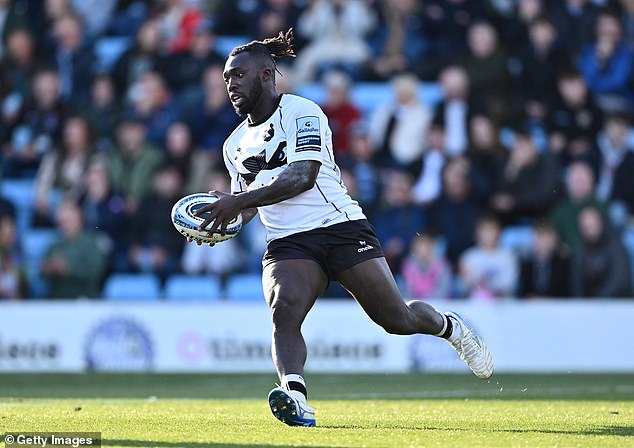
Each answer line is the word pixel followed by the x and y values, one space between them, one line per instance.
pixel 336 248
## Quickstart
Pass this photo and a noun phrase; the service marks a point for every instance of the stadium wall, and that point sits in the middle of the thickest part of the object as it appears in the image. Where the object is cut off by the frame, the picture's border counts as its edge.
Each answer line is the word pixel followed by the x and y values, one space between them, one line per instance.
pixel 537 336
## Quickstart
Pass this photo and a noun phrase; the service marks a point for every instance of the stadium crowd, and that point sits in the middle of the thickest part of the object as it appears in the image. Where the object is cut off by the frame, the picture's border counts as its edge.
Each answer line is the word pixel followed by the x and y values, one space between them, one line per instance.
pixel 489 142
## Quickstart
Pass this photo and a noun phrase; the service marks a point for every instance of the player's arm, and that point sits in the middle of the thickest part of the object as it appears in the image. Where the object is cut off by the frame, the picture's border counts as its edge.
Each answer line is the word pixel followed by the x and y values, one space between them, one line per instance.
pixel 298 177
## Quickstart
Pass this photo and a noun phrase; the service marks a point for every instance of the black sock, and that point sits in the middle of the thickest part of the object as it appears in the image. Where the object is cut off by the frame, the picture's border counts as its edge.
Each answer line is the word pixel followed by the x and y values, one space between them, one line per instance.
pixel 299 387
pixel 448 330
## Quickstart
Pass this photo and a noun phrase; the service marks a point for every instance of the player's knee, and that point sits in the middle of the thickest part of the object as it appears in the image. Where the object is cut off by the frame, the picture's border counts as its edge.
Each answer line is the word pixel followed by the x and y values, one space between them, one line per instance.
pixel 394 327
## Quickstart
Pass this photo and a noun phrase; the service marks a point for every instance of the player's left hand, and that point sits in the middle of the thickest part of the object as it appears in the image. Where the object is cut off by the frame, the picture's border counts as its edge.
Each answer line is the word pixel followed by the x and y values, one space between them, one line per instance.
pixel 221 212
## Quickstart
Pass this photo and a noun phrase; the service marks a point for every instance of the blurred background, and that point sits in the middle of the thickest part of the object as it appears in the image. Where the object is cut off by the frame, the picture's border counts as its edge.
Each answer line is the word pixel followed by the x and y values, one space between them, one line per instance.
pixel 489 142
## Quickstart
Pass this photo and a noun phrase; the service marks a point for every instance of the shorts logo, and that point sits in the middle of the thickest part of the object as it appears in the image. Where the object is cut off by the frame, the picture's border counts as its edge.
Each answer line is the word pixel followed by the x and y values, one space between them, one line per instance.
pixel 308 134
pixel 365 247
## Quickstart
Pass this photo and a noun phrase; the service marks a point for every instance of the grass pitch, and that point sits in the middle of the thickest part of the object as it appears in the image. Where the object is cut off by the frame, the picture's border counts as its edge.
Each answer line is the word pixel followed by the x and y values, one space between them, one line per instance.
pixel 196 411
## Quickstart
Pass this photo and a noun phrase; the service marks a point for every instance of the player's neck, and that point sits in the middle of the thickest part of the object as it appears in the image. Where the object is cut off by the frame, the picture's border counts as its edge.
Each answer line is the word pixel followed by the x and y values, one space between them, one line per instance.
pixel 265 108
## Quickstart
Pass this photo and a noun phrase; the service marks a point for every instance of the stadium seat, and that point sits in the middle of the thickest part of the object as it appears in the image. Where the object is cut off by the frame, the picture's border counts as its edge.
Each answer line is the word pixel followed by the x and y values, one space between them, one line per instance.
pixel 132 287
pixel 21 193
pixel 224 44
pixel 36 243
pixel 517 238
pixel 246 287
pixel 628 242
pixel 109 49
pixel 188 288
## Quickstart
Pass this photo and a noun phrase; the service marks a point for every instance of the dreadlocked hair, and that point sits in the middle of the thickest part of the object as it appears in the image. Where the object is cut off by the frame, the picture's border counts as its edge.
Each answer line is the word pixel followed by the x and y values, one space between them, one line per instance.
pixel 275 47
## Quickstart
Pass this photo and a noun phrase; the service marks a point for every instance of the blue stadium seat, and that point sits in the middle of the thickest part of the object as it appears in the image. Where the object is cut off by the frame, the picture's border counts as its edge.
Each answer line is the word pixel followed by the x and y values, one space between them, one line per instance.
pixel 224 44
pixel 188 288
pixel 21 193
pixel 36 243
pixel 109 49
pixel 517 238
pixel 628 242
pixel 132 287
pixel 246 287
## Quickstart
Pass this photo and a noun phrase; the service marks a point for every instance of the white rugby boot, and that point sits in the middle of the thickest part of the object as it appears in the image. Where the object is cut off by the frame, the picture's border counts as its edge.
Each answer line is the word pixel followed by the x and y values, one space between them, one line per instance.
pixel 470 347
pixel 290 407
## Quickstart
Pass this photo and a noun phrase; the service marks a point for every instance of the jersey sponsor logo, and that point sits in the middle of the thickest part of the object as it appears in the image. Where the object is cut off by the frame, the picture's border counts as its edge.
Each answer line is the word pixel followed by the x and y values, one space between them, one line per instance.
pixel 256 163
pixel 308 134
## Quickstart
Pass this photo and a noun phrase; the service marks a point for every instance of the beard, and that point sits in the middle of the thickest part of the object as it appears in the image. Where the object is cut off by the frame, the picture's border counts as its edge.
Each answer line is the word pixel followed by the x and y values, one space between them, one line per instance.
pixel 250 100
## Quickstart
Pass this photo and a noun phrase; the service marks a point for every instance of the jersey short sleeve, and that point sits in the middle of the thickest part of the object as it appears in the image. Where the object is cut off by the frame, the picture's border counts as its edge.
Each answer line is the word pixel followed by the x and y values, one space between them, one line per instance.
pixel 306 130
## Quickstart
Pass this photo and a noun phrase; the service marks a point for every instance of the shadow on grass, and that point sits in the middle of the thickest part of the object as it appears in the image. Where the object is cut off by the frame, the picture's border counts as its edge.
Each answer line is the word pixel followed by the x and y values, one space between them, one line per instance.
pixel 152 443
pixel 620 431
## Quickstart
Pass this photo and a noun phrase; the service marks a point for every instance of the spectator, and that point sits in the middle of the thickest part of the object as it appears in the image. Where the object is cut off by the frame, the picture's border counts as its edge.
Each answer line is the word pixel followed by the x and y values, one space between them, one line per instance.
pixel 627 19
pixel 486 156
pixel 62 170
pixel 614 160
pixel 454 214
pixel 13 279
pixel 486 67
pixel 529 184
pixel 143 57
pixel 426 273
pixel 95 14
pixel 74 61
pixel 132 164
pixel 17 69
pixel 580 194
pixel 75 264
pixel 192 164
pixel 341 112
pixel 398 219
pixel 606 65
pixel 429 185
pixel 335 30
pixel 445 25
pixel 545 272
pixel 574 19
pixel 156 246
pixel 184 70
pixel 35 130
pixel 179 22
pixel 399 44
pixel 152 102
pixel 6 207
pixel 106 211
pixel 212 117
pixel 454 111
pixel 487 270
pixel 397 130
pixel 574 121
pixel 536 68
pixel 103 113
pixel 601 266
pixel 363 170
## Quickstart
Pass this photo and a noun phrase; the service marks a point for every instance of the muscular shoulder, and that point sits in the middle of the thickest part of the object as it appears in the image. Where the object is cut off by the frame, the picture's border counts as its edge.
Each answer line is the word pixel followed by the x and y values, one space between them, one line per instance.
pixel 297 106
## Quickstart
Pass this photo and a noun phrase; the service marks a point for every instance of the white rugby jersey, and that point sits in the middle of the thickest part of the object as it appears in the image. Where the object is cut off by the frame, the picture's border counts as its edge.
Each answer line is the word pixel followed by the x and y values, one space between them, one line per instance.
pixel 255 154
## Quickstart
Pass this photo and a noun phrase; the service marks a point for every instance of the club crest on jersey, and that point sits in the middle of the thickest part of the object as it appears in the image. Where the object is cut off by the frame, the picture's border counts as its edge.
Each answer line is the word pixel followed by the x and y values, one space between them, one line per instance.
pixel 269 133
pixel 308 135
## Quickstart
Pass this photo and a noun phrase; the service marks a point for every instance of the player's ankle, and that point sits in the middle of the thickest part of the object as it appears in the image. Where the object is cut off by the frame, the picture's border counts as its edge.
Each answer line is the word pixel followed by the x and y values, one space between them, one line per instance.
pixel 296 383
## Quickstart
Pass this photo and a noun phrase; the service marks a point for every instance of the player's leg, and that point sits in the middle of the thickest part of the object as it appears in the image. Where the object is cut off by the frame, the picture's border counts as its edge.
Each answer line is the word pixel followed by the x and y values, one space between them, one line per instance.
pixel 291 288
pixel 371 283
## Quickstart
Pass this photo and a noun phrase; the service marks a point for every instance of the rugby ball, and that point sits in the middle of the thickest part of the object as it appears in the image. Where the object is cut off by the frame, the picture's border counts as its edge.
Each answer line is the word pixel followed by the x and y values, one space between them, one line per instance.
pixel 187 223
